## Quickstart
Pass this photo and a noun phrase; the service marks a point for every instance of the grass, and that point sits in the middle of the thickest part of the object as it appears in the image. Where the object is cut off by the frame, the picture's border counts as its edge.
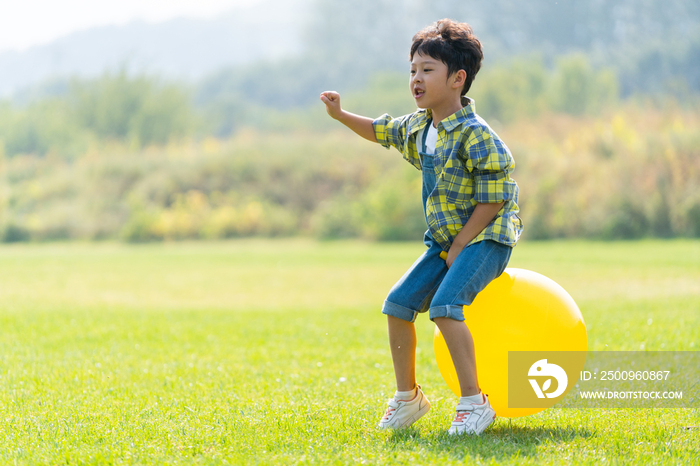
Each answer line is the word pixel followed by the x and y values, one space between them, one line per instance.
pixel 274 352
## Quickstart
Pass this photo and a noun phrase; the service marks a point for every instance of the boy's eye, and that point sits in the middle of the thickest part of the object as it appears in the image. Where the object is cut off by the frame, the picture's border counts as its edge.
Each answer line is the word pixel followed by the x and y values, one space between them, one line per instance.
pixel 428 69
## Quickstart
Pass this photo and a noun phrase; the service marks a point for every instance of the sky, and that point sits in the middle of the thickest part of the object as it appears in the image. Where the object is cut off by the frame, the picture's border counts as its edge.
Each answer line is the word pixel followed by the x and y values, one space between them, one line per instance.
pixel 25 23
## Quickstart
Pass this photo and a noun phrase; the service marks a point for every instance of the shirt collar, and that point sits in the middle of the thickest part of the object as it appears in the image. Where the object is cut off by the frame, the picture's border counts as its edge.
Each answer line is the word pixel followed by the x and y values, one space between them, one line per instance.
pixel 449 123
pixel 456 119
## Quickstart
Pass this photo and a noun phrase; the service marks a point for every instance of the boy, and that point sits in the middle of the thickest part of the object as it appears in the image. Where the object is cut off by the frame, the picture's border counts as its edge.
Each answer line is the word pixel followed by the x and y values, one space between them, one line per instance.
pixel 470 205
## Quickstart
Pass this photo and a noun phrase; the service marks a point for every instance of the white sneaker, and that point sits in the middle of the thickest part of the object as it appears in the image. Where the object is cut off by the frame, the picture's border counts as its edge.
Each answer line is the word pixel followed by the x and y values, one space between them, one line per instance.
pixel 472 419
pixel 404 413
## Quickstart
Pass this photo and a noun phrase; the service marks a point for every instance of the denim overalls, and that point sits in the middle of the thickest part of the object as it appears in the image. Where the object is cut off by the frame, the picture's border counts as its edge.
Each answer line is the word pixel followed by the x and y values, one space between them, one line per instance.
pixel 429 285
pixel 429 178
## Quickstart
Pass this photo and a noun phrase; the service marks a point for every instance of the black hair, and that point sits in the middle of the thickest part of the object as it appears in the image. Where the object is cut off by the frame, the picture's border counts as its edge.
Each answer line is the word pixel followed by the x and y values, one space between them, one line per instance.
pixel 452 43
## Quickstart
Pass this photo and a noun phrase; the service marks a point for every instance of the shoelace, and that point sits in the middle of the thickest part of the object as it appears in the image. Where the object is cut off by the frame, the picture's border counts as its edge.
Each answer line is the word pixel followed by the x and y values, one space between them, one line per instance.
pixel 390 410
pixel 463 413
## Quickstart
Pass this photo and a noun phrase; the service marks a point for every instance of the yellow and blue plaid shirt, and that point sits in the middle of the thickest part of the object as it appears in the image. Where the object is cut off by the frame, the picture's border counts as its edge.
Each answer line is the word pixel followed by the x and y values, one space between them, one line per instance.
pixel 472 166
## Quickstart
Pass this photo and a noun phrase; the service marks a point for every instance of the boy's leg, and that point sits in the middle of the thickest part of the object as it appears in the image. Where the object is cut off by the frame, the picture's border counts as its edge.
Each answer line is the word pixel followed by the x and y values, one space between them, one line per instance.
pixel 402 339
pixel 475 267
pixel 461 345
pixel 409 403
pixel 410 296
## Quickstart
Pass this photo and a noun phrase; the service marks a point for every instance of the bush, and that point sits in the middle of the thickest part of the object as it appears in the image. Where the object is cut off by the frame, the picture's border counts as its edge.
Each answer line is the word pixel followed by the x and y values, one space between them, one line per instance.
pixel 391 209
pixel 139 228
pixel 12 233
pixel 693 220
pixel 337 218
pixel 627 173
pixel 139 109
pixel 525 88
pixel 626 222
pixel 578 89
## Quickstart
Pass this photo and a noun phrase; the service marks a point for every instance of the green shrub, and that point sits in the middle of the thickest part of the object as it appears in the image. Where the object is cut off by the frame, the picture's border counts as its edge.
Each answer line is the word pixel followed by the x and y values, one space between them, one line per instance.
pixel 693 220
pixel 391 209
pixel 579 89
pixel 627 173
pixel 626 221
pixel 139 228
pixel 11 233
pixel 337 218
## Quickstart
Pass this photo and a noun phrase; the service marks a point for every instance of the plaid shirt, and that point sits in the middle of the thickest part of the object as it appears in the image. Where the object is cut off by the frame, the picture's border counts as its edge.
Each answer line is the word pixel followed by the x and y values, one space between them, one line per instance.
pixel 472 165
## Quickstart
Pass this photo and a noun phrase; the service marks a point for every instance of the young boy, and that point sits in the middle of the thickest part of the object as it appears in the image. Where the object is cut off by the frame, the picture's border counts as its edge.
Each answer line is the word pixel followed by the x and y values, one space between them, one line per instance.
pixel 470 205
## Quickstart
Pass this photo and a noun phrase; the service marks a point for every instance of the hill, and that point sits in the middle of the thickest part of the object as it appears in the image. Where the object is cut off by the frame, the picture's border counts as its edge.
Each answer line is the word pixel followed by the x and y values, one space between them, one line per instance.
pixel 177 49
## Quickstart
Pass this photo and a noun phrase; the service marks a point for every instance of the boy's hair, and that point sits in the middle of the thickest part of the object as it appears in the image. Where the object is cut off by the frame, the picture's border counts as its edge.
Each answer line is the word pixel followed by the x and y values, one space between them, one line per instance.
pixel 452 43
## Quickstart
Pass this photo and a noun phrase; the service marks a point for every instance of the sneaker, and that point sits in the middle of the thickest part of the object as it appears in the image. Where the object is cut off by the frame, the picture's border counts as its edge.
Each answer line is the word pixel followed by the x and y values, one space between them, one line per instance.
pixel 472 419
pixel 404 413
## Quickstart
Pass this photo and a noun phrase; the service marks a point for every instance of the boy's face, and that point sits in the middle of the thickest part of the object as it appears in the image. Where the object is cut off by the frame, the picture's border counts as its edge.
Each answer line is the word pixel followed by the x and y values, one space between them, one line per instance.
pixel 430 84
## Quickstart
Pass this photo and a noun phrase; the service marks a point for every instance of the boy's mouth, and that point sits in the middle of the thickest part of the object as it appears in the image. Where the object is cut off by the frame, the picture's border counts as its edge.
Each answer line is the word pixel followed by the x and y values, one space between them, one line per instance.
pixel 418 93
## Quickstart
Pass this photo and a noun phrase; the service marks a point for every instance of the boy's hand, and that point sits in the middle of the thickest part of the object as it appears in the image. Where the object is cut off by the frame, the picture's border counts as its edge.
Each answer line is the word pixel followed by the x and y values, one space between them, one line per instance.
pixel 452 254
pixel 481 217
pixel 361 125
pixel 332 101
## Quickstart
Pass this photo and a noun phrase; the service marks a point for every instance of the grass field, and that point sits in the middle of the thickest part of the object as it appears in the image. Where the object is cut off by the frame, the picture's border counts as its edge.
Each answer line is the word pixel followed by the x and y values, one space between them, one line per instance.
pixel 274 352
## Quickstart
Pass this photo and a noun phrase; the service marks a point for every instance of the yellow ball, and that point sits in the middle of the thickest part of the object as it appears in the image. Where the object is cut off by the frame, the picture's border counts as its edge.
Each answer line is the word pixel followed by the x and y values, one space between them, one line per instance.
pixel 518 311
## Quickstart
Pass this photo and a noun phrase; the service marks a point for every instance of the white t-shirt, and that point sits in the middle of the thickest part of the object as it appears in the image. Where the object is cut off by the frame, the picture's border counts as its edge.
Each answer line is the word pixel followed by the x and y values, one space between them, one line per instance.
pixel 430 140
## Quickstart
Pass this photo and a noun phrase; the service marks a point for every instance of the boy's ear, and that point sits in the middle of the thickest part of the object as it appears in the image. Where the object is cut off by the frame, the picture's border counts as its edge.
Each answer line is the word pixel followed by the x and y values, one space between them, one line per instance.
pixel 459 78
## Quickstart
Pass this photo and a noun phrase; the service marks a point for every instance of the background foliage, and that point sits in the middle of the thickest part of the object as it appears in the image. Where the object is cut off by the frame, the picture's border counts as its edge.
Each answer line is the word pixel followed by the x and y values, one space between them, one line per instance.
pixel 601 117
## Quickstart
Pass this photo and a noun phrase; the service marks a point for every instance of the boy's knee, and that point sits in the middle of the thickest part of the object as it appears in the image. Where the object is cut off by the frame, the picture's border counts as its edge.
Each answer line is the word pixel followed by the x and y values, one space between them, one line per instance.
pixel 441 322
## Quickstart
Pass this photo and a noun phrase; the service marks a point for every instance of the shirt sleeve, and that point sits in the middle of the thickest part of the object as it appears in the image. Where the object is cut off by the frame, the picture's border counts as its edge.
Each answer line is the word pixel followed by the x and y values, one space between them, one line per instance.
pixel 490 162
pixel 391 131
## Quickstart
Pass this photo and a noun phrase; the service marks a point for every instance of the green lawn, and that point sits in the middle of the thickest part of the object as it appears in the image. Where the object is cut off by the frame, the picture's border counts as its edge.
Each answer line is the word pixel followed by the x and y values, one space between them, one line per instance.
pixel 274 352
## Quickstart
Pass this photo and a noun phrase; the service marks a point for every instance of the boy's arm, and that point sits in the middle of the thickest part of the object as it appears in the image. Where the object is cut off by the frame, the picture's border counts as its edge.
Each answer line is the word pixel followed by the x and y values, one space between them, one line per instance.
pixel 359 124
pixel 481 217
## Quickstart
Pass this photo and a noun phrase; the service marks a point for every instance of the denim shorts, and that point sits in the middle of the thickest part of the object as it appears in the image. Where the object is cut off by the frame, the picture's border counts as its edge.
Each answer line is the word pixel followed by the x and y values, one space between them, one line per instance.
pixel 430 286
